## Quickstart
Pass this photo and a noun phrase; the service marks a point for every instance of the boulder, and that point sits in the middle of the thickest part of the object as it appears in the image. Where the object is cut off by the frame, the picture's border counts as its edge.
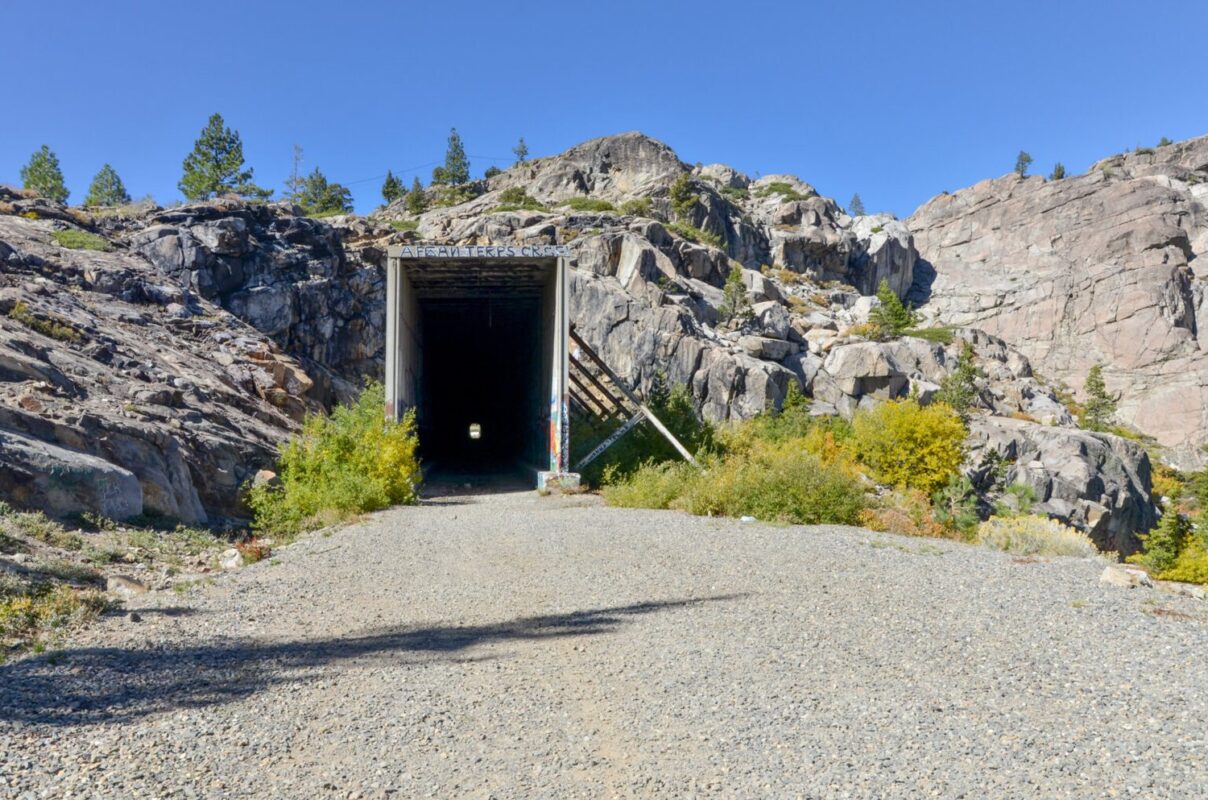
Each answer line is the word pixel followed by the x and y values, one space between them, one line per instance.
pixel 1095 482
pixel 40 475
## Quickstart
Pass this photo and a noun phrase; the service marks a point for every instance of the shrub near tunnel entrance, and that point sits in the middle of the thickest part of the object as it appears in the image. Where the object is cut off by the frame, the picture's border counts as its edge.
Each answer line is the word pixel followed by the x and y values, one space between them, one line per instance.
pixel 341 465
pixel 908 445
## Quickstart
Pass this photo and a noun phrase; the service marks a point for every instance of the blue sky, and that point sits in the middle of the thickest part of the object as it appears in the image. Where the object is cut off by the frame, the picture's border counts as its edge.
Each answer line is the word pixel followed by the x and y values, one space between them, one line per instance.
pixel 896 101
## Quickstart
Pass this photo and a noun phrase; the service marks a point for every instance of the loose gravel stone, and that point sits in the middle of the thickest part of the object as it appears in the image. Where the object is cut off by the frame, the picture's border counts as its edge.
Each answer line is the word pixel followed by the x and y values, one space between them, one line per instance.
pixel 512 646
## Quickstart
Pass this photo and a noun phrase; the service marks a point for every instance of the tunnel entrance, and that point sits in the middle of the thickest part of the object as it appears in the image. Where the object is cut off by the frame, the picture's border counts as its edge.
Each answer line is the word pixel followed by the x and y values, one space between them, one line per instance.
pixel 477 346
pixel 482 395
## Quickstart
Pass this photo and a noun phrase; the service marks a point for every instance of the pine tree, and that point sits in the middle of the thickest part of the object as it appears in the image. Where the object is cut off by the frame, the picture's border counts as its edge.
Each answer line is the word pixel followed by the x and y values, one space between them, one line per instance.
pixel 417 202
pixel 1164 141
pixel 856 207
pixel 42 175
pixel 1100 406
pixel 959 388
pixel 521 151
pixel 319 197
pixel 107 189
pixel 891 317
pixel 1058 172
pixel 293 184
pixel 734 300
pixel 457 166
pixel 215 166
pixel 392 188
pixel 1164 543
pixel 1022 162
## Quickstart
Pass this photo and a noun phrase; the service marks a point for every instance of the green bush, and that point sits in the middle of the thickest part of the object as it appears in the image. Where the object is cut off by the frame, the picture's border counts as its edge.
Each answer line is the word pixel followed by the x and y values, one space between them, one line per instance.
pixel 339 466
pixel 905 444
pixel 47 327
pixel 589 204
pixel 404 225
pixel 651 485
pixel 940 335
pixel 735 302
pixel 956 506
pixel 1164 544
pixel 81 240
pixel 515 198
pixel 637 207
pixel 642 445
pixel 776 482
pixel 694 234
pixel 1034 536
pixel 785 190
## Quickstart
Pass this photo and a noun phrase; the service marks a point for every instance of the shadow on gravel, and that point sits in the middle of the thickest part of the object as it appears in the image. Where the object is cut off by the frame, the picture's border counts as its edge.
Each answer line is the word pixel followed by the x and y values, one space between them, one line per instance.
pixel 105 684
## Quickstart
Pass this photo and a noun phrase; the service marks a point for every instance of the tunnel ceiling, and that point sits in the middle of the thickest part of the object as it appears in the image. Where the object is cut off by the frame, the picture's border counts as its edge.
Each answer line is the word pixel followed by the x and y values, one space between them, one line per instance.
pixel 449 279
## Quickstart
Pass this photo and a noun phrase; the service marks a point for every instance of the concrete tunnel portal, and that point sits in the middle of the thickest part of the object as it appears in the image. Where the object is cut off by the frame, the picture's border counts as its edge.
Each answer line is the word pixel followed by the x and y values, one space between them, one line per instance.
pixel 476 344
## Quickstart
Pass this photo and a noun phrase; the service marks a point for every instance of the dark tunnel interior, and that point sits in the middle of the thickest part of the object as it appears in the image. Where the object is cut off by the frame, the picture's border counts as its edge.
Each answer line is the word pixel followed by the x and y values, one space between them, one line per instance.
pixel 482 365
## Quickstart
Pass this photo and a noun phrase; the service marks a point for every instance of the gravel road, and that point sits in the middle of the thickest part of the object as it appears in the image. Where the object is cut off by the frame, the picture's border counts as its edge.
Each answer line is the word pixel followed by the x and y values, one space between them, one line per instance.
pixel 512 646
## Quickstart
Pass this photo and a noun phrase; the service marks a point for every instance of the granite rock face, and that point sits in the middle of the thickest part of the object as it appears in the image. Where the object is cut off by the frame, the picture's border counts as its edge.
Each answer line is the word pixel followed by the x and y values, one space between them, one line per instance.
pixel 1096 482
pixel 123 392
pixel 1106 267
pixel 209 330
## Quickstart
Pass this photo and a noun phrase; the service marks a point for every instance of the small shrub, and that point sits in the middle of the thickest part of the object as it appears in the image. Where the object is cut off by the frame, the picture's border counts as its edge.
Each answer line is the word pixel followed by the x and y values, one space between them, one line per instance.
pixel 694 234
pixel 905 444
pixel 905 512
pixel 404 225
pixel 1035 536
pixel 1017 499
pixel 956 506
pixel 53 328
pixel 777 482
pixel 940 335
pixel 637 207
pixel 339 466
pixel 783 189
pixel 37 525
pixel 652 485
pixel 1164 544
pixel 27 611
pixel 589 204
pixel 515 198
pixel 81 240
pixel 1191 566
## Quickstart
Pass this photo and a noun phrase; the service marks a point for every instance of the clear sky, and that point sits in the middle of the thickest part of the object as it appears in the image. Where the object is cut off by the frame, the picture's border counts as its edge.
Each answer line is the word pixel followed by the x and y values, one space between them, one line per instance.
pixel 895 100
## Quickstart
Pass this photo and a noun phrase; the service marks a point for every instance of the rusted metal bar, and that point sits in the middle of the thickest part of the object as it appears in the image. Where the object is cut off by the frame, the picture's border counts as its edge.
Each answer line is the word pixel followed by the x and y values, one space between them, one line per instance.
pixel 604 411
pixel 596 382
pixel 612 438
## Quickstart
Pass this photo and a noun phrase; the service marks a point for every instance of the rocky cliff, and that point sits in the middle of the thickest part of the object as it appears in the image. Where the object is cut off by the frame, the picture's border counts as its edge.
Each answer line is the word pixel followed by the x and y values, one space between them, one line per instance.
pixel 1105 267
pixel 206 331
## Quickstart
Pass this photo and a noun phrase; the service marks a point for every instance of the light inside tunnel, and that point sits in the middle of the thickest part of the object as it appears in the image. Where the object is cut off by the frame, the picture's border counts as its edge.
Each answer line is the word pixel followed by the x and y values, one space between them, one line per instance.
pixel 475 430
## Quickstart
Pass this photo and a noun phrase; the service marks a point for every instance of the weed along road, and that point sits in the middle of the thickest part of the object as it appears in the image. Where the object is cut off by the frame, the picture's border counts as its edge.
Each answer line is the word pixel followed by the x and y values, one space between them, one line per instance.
pixel 514 646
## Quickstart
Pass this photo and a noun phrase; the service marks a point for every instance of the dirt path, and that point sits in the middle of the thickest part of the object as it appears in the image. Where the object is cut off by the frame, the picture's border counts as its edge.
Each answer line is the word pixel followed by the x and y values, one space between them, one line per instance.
pixel 514 646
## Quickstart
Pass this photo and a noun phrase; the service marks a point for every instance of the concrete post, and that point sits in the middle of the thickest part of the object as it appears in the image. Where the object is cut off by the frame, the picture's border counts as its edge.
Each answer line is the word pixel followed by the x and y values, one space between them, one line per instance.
pixel 395 374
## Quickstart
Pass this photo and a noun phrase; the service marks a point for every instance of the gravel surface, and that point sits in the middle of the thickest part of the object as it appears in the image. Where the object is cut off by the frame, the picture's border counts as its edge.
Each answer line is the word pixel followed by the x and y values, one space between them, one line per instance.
pixel 509 645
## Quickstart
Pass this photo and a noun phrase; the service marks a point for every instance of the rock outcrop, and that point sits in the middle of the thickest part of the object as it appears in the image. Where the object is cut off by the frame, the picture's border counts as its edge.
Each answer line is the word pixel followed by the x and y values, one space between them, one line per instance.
pixel 172 366
pixel 1095 482
pixel 122 391
pixel 1105 267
